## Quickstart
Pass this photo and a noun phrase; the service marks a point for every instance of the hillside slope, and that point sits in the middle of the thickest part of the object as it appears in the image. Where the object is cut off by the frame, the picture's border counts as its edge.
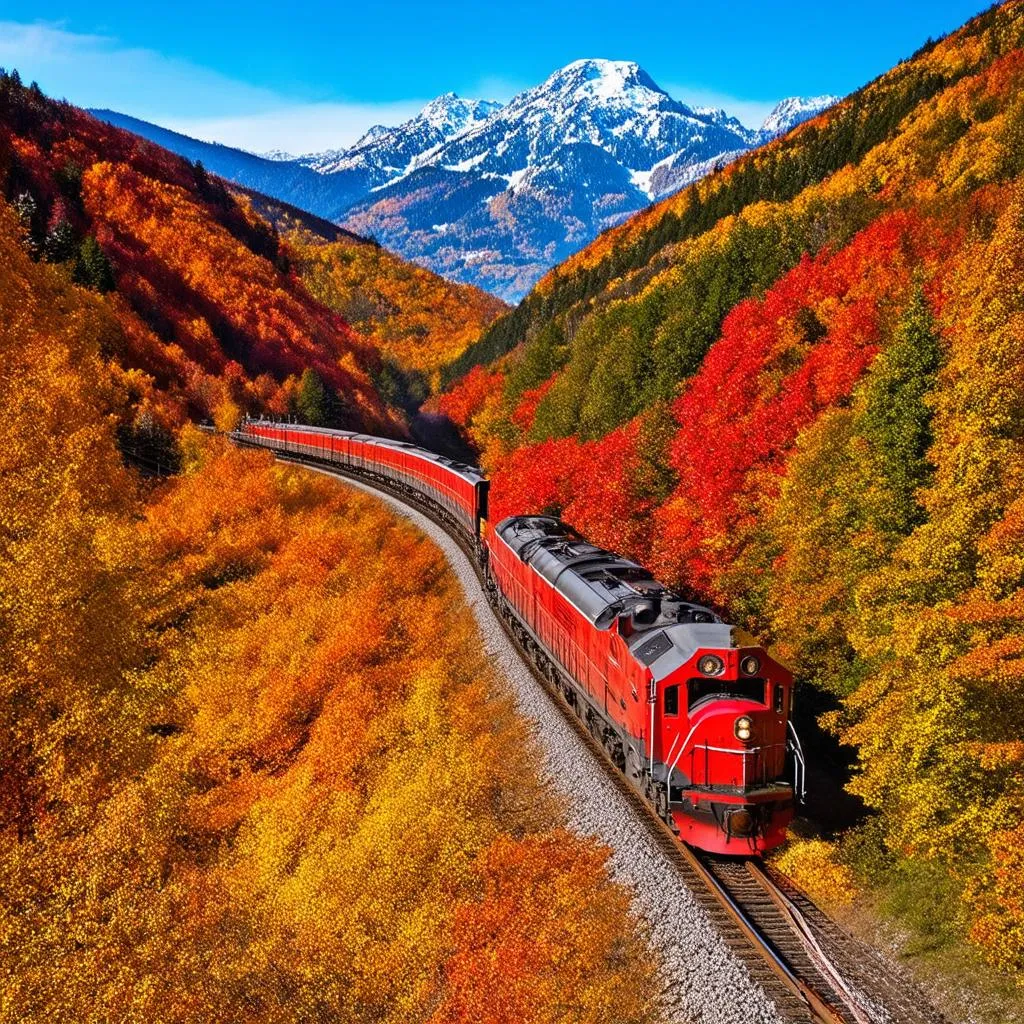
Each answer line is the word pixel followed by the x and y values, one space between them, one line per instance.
pixel 207 318
pixel 794 389
pixel 222 299
pixel 418 320
pixel 219 702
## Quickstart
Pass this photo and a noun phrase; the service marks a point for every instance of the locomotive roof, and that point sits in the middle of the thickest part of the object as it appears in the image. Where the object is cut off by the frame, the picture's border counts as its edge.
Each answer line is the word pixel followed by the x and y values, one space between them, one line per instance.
pixel 602 586
pixel 471 473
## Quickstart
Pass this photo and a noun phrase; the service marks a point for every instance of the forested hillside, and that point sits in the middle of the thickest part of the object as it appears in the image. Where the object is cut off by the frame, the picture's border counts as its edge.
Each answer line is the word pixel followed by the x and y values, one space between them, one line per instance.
pixel 418 320
pixel 206 316
pixel 795 390
pixel 254 766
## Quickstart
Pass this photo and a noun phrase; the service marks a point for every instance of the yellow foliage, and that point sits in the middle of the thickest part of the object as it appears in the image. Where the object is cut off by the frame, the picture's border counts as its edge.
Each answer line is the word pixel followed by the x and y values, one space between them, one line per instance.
pixel 417 319
pixel 227 416
pixel 815 866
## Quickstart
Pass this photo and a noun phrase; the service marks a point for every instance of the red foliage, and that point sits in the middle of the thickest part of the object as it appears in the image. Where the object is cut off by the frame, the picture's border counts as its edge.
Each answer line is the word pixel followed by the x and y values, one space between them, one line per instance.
pixel 765 380
pixel 781 360
pixel 524 413
pixel 591 485
pixel 470 394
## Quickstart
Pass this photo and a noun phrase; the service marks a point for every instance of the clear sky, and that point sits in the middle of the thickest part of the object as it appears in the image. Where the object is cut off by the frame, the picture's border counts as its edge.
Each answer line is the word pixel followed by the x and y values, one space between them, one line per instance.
pixel 306 75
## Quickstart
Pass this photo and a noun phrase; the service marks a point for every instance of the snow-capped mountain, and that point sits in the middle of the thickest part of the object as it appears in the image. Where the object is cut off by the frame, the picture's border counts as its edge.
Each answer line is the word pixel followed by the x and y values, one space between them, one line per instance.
pixel 386 153
pixel 503 200
pixel 496 195
pixel 613 105
pixel 790 112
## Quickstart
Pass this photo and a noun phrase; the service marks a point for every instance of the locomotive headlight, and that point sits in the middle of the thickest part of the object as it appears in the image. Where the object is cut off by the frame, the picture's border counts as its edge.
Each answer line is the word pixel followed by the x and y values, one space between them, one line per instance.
pixel 750 665
pixel 711 665
pixel 741 822
pixel 743 728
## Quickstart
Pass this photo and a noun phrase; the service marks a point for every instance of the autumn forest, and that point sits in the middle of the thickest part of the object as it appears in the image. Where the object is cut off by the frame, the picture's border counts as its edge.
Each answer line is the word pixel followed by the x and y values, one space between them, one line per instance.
pixel 793 390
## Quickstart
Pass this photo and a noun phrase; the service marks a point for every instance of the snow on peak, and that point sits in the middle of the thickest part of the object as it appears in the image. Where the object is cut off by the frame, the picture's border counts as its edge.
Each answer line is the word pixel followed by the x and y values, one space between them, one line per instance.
pixel 385 153
pixel 790 112
pixel 450 113
pixel 600 81
pixel 372 134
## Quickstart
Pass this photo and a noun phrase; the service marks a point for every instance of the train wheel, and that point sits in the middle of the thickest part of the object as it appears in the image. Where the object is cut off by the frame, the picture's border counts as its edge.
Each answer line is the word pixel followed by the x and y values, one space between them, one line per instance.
pixel 570 695
pixel 613 747
pixel 661 802
pixel 634 770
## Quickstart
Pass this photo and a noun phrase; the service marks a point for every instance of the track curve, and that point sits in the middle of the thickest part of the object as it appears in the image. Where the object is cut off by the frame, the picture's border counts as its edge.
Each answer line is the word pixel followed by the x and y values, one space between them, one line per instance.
pixel 739 942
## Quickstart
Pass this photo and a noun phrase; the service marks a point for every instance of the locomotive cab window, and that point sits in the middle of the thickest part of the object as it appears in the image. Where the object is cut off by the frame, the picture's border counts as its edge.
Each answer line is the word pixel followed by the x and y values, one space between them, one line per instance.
pixel 705 688
pixel 672 699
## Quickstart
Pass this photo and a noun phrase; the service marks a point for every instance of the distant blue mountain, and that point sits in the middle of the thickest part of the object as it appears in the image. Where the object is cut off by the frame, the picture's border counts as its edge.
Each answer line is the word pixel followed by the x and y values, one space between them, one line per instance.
pixel 326 195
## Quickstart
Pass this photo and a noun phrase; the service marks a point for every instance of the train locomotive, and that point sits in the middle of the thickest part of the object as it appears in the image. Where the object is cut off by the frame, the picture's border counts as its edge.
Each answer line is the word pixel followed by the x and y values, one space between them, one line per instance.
pixel 689 708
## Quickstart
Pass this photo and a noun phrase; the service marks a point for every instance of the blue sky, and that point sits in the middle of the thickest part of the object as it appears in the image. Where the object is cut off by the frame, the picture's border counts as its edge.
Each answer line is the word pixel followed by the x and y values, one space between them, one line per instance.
pixel 307 76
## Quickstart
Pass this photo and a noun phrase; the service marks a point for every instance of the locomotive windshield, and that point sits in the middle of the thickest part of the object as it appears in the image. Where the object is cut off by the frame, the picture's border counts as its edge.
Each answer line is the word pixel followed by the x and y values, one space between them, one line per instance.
pixel 701 689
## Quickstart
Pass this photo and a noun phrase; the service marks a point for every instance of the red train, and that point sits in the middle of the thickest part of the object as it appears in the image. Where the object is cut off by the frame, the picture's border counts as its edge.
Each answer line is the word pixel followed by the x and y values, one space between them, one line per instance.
pixel 691 709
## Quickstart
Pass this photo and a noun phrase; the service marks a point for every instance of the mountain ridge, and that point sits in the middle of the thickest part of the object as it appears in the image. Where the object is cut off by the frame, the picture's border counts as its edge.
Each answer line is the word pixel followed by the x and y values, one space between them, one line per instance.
pixel 495 195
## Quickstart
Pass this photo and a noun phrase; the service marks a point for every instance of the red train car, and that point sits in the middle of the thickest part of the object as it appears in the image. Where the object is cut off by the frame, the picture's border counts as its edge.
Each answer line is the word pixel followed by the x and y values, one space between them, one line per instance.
pixel 689 707
pixel 458 490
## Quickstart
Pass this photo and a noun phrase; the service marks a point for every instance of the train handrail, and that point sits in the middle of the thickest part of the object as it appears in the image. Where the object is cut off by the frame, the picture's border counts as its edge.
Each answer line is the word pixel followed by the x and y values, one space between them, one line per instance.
pixel 799 764
pixel 743 752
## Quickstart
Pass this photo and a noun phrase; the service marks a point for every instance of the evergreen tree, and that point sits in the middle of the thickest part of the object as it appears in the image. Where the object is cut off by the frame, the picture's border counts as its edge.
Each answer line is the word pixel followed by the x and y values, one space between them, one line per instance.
pixel 313 403
pixel 26 209
pixel 92 268
pixel 896 420
pixel 60 242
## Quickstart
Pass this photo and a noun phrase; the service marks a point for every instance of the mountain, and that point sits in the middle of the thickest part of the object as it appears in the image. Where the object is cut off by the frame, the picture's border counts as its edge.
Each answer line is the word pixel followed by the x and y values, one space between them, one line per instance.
pixel 386 153
pixel 496 195
pixel 790 112
pixel 275 174
pixel 794 390
pixel 679 170
pixel 503 200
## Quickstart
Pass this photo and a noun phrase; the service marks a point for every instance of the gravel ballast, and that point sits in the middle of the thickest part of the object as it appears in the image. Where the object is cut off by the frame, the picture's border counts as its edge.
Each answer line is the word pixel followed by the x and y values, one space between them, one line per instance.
pixel 703 981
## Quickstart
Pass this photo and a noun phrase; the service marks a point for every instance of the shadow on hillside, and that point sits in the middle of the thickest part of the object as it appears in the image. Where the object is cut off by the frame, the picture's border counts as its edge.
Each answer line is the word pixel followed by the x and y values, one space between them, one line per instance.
pixel 439 434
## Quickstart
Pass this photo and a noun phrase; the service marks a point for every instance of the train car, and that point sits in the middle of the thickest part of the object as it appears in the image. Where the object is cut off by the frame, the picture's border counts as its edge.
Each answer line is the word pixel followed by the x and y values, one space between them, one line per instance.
pixel 689 707
pixel 459 491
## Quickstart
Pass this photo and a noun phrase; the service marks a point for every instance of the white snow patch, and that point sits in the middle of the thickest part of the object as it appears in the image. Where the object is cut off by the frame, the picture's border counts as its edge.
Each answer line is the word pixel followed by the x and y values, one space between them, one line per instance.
pixel 468 164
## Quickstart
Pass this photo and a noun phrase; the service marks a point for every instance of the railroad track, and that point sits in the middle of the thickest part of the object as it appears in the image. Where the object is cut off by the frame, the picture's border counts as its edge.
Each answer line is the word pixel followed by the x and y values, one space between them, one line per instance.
pixel 812 970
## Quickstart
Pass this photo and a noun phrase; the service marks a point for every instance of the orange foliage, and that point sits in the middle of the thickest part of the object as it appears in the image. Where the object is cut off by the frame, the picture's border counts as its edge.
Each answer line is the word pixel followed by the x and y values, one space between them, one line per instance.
pixel 203 305
pixel 528 951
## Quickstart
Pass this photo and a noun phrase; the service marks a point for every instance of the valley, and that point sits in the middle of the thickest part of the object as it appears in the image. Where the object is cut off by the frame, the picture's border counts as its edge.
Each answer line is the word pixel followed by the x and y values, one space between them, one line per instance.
pixel 276 749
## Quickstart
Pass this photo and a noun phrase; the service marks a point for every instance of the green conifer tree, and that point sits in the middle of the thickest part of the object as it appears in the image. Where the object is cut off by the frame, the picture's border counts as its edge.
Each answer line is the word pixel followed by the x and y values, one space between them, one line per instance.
pixel 313 403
